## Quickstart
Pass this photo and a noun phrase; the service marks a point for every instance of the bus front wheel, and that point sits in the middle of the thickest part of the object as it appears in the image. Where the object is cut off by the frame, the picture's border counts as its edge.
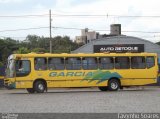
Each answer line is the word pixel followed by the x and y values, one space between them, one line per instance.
pixel 113 85
pixel 30 90
pixel 39 87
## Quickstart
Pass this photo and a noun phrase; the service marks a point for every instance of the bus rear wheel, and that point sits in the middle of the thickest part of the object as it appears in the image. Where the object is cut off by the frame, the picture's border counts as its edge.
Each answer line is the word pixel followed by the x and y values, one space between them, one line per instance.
pixel 30 90
pixel 113 85
pixel 39 87
pixel 103 88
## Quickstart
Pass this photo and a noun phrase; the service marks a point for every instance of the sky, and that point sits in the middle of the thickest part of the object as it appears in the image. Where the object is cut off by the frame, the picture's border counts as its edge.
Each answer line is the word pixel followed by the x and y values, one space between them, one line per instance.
pixel 109 8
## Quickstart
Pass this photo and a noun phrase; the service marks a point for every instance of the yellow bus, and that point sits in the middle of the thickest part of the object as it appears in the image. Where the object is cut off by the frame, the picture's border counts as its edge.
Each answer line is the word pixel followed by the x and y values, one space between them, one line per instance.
pixel 107 71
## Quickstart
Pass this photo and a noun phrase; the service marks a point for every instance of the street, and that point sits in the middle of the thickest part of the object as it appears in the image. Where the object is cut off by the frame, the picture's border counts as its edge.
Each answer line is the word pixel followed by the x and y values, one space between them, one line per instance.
pixel 81 100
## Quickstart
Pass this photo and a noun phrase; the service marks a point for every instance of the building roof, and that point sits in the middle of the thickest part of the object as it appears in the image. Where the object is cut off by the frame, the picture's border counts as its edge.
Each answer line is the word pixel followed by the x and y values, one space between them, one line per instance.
pixel 122 39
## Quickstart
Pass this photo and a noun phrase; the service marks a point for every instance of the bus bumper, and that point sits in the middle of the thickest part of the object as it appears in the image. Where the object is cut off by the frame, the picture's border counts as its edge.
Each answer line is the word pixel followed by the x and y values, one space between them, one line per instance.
pixel 9 85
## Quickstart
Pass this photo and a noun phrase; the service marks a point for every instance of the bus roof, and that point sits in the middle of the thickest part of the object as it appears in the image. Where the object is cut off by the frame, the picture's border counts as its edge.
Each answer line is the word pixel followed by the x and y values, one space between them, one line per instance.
pixel 30 55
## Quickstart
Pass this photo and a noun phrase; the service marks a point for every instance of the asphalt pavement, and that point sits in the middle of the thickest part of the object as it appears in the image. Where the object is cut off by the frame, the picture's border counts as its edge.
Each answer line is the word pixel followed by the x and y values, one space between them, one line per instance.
pixel 81 100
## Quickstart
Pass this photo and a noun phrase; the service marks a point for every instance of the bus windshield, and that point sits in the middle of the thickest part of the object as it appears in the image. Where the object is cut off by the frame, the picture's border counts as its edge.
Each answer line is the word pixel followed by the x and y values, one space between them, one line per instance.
pixel 10 68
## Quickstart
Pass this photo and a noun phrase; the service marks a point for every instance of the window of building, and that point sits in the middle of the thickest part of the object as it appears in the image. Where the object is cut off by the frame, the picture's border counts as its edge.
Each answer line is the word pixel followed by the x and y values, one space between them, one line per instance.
pixel 56 63
pixel 150 62
pixel 22 67
pixel 122 63
pixel 89 63
pixel 138 62
pixel 73 63
pixel 106 63
pixel 40 63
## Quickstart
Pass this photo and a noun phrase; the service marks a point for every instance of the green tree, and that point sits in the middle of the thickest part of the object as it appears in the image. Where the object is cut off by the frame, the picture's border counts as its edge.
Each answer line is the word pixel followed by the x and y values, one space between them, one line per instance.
pixel 22 50
pixel 38 50
pixel 7 46
pixel 1 64
pixel 34 43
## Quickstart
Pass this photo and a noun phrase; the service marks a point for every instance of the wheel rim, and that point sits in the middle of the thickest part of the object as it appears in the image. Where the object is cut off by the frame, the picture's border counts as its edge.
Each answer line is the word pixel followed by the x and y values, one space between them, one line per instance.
pixel 41 87
pixel 114 85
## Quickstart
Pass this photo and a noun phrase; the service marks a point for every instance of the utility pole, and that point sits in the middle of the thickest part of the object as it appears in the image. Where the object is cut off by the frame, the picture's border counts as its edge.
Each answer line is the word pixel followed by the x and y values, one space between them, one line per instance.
pixel 50 30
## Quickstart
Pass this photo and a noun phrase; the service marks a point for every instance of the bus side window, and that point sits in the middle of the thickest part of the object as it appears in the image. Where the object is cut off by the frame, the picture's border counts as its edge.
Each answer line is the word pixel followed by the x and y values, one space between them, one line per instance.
pixel 106 63
pixel 56 63
pixel 22 67
pixel 122 63
pixel 89 63
pixel 138 63
pixel 73 63
pixel 40 63
pixel 150 62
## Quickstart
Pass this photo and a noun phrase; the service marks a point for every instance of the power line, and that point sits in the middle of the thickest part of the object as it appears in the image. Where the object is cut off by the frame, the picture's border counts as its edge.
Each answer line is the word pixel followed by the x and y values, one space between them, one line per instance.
pixel 72 28
pixel 23 37
pixel 12 37
pixel 67 28
pixel 23 29
pixel 96 15
pixel 106 30
pixel 77 15
pixel 143 31
pixel 134 16
pixel 133 31
pixel 23 16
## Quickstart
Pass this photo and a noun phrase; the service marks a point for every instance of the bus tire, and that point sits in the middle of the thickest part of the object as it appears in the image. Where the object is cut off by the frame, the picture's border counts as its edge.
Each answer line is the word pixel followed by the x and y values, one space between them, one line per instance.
pixel 113 84
pixel 39 87
pixel 104 88
pixel 30 90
